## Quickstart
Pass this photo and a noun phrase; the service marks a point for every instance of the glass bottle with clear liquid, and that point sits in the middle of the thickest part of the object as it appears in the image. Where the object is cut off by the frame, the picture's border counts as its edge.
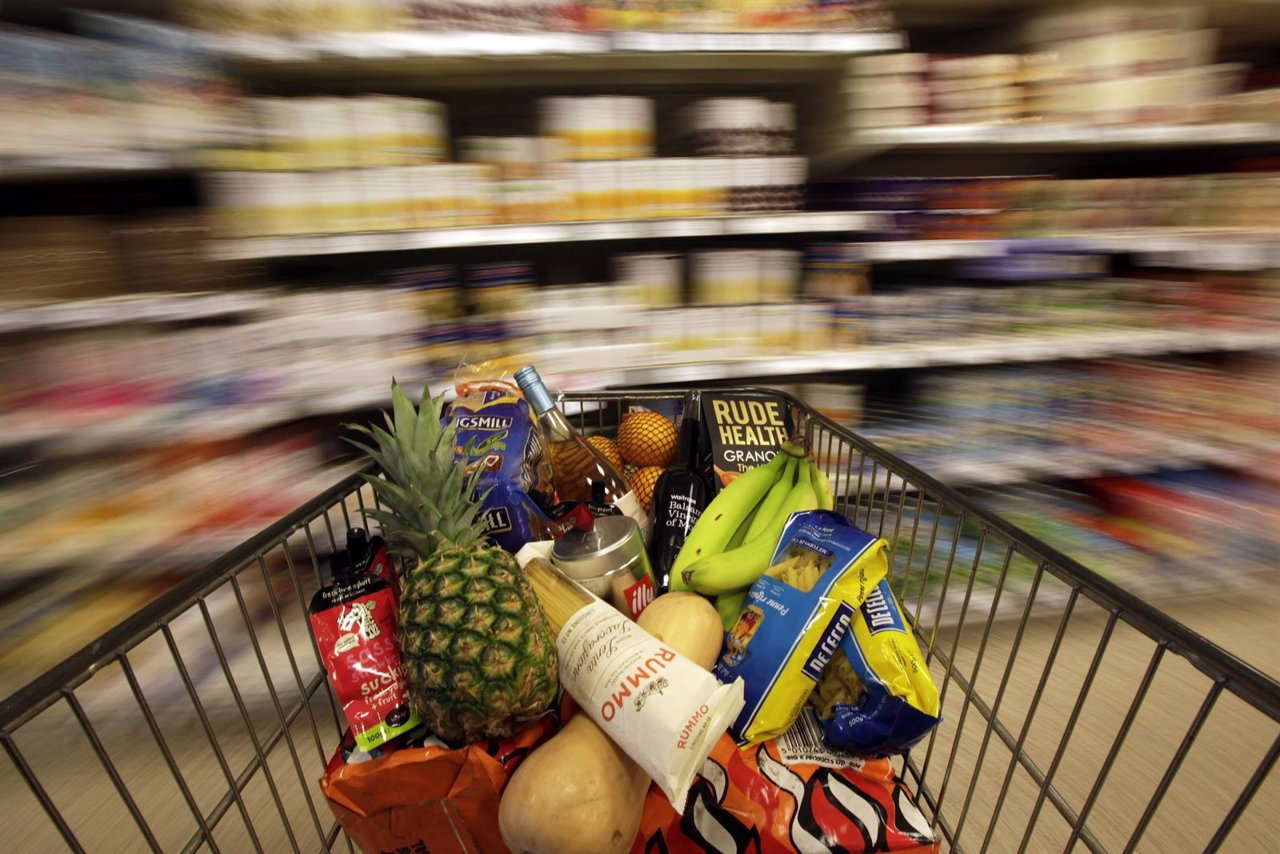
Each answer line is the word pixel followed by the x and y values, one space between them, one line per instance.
pixel 578 471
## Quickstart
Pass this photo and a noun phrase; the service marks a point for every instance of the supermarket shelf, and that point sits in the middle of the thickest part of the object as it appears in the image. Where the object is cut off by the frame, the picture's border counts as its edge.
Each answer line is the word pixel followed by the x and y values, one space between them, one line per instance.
pixel 395 45
pixel 63 433
pixel 92 163
pixel 554 232
pixel 1073 465
pixel 461 62
pixel 964 351
pixel 848 149
pixel 153 308
pixel 994 136
pixel 168 543
pixel 179 423
pixel 1008 468
pixel 1244 249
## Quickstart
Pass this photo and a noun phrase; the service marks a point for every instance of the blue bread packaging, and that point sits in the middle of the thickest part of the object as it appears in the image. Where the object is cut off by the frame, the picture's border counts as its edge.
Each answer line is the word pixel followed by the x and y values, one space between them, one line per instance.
pixel 497 432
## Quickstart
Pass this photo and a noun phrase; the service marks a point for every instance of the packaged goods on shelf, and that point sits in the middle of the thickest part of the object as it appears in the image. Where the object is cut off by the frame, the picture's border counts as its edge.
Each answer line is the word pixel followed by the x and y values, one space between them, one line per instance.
pixel 198 503
pixel 744 276
pixel 765 302
pixel 1038 206
pixel 298 18
pixel 327 165
pixel 99 542
pixel 996 425
pixel 842 403
pixel 137 385
pixel 53 258
pixel 835 272
pixel 652 279
pixel 1261 105
pixel 887 65
pixel 142 86
pixel 1184 534
pixel 321 132
pixel 599 127
pixel 739 126
pixel 1085 75
pixel 339 201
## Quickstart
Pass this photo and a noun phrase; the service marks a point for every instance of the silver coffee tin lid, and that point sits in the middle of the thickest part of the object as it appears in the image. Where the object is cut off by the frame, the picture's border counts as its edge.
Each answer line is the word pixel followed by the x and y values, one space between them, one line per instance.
pixel 615 542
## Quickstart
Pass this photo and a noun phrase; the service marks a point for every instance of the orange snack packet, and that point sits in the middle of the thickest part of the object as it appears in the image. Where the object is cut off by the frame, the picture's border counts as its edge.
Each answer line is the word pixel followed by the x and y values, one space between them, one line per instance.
pixel 765 799
pixel 435 796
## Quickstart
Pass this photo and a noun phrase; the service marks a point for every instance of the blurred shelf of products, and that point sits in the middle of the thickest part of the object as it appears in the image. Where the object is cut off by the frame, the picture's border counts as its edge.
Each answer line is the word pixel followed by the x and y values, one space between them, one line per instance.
pixel 1049 275
pixel 290 18
pixel 1194 534
pixel 593 159
pixel 1092 68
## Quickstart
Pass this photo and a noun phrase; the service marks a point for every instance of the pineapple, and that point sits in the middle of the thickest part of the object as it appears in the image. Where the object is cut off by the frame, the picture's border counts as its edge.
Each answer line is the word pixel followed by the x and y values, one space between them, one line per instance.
pixel 478 654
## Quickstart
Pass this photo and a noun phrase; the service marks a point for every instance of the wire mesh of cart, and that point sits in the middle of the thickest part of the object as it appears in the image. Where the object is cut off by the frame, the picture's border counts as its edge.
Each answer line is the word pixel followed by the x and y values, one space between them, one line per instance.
pixel 1075 715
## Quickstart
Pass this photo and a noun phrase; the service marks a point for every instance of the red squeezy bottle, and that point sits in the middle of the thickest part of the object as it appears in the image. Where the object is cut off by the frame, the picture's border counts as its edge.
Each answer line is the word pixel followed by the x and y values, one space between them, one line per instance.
pixel 354 622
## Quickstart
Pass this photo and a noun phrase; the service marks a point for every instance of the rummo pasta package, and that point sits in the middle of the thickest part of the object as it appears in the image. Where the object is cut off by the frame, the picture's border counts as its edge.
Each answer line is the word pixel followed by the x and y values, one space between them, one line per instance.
pixel 791 794
pixel 796 616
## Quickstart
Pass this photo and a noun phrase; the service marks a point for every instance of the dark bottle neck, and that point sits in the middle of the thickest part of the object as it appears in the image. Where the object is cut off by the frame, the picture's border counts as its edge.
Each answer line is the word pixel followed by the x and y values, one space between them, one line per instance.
pixel 690 434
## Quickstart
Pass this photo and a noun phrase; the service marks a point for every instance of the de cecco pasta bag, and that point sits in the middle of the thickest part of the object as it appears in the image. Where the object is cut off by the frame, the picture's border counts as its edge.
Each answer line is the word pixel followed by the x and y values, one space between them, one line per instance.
pixel 897 703
pixel 796 616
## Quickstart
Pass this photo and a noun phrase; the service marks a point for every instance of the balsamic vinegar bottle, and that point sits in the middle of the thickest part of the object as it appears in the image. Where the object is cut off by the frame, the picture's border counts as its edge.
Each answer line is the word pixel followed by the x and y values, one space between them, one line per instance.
pixel 678 500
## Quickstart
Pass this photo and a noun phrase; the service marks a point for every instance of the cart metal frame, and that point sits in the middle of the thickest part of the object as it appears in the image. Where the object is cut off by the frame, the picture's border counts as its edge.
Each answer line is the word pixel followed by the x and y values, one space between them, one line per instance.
pixel 939 539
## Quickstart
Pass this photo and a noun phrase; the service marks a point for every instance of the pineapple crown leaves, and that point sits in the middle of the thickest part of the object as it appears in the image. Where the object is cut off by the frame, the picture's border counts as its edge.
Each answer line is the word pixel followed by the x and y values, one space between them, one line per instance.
pixel 428 501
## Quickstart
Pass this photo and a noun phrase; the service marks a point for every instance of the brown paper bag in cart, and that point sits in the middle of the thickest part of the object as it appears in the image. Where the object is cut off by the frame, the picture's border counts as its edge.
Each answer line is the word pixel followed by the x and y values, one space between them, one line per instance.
pixel 429 798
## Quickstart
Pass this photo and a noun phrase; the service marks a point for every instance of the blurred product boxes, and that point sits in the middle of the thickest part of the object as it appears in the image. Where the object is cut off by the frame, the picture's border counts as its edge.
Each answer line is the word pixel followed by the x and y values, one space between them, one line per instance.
pixel 46 259
pixel 994 207
pixel 1100 64
pixel 138 85
pixel 307 17
pixel 376 163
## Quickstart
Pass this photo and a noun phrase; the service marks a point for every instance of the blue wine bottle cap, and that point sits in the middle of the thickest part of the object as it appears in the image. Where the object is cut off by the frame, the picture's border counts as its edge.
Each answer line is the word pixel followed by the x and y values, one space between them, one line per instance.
pixel 534 389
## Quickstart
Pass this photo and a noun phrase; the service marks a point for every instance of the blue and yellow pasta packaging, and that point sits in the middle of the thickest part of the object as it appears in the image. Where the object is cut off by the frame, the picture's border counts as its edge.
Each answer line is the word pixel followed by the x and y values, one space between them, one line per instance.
pixel 796 616
pixel 877 697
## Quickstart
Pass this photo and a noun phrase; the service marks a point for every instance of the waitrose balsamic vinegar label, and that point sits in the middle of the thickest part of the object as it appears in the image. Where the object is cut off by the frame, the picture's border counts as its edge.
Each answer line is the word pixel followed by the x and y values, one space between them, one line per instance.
pixel 743 430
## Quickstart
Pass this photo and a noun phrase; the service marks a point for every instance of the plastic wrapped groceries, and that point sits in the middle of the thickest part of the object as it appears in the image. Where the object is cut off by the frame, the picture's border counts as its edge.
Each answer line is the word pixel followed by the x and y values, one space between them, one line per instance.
pixel 876 696
pixel 791 794
pixel 496 430
pixel 796 616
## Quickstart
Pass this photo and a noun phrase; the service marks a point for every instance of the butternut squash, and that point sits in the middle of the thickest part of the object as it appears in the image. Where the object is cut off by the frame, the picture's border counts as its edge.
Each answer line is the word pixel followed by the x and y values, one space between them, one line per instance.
pixel 579 793
pixel 576 794
pixel 687 623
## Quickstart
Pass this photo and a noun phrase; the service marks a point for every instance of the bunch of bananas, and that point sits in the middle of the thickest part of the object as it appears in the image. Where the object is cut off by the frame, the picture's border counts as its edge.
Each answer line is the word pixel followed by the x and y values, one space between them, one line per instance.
pixel 733 541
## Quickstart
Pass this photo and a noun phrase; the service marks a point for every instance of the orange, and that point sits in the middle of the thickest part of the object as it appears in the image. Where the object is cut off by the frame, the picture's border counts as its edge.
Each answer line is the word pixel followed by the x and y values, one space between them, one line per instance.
pixel 647 439
pixel 607 448
pixel 643 482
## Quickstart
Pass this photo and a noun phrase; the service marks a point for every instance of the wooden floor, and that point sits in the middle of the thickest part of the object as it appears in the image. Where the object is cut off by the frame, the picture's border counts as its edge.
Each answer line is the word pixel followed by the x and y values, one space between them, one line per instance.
pixel 1233 740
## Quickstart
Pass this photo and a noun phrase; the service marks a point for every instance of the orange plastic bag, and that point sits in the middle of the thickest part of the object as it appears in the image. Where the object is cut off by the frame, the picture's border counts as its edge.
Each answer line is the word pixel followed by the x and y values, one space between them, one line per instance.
pixel 429 798
pixel 749 800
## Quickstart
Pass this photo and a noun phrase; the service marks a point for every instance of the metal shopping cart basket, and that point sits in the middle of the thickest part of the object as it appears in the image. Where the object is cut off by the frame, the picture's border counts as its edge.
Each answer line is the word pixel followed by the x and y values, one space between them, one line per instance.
pixel 1074 714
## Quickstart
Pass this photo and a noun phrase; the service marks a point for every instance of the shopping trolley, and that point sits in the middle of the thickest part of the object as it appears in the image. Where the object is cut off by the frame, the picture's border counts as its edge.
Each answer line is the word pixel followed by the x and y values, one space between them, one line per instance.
pixel 1074 713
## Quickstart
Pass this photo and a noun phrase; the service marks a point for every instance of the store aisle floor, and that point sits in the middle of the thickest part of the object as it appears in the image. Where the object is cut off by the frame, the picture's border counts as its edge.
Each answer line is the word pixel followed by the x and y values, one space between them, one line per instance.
pixel 1232 742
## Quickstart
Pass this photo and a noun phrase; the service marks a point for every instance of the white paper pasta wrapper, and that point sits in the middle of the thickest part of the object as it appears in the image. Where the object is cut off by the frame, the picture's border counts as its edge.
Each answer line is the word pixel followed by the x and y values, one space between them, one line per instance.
pixel 664 711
